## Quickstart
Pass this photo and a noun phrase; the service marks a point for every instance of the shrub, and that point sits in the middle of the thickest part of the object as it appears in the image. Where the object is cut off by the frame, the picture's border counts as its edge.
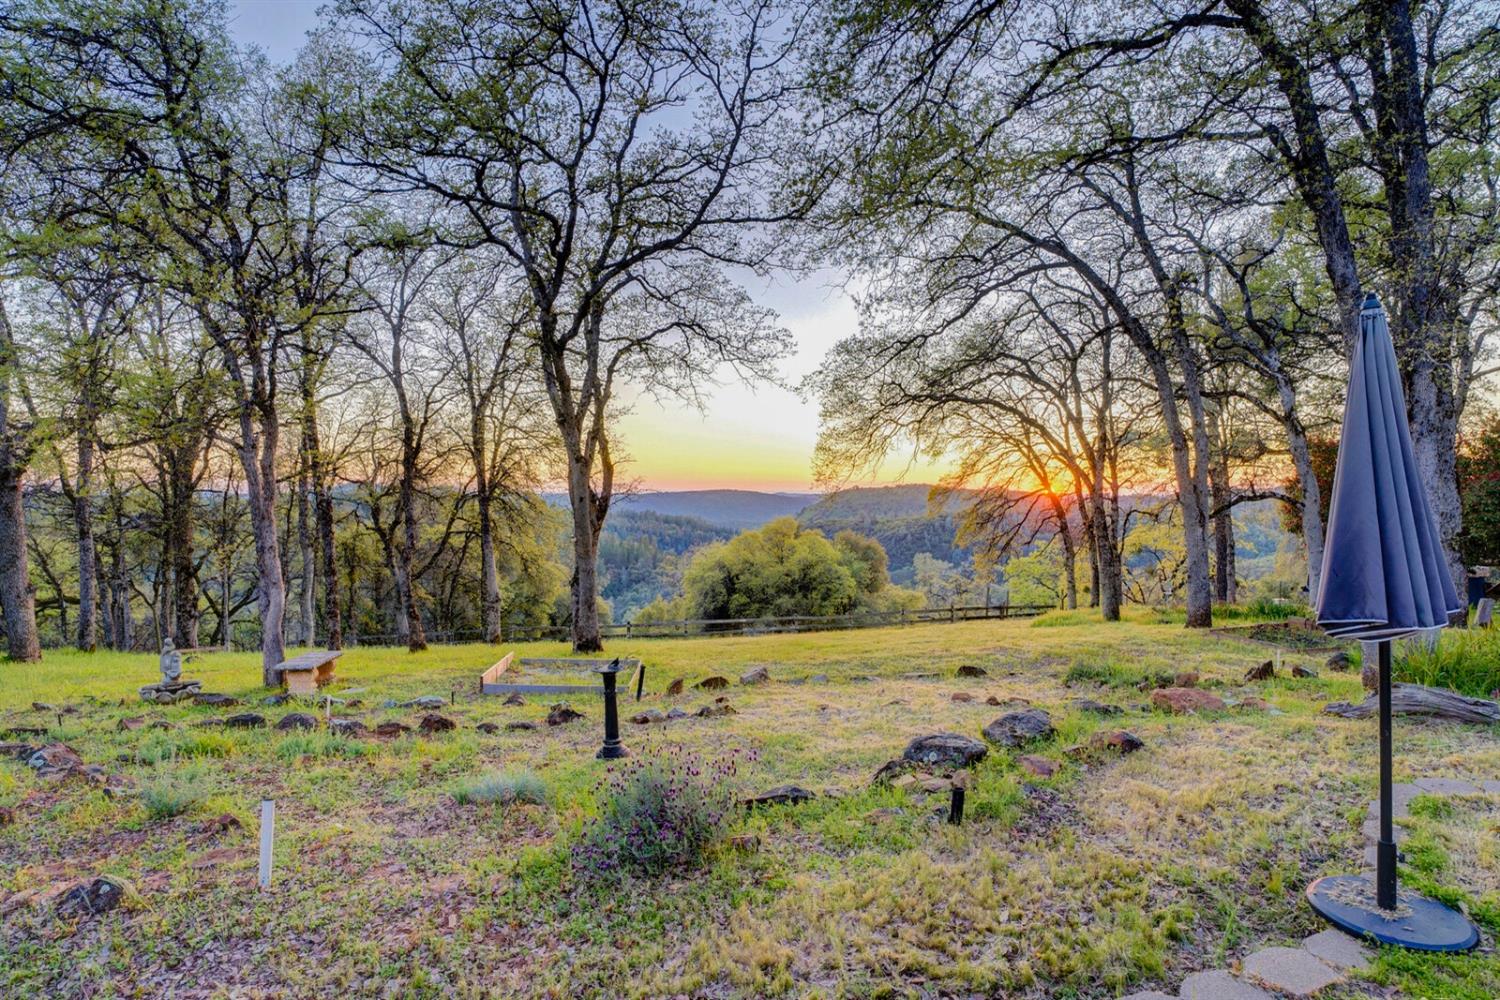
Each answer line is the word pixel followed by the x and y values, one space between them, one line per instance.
pixel 299 745
pixel 503 787
pixel 173 794
pixel 657 814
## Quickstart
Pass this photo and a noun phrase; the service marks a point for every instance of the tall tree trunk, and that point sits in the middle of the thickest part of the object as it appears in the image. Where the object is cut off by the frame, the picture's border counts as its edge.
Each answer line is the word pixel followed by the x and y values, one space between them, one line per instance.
pixel 17 598
pixel 587 637
pixel 406 550
pixel 1312 493
pixel 1426 314
pixel 1192 473
pixel 489 571
pixel 306 583
pixel 1070 567
pixel 258 459
pixel 1219 494
pixel 333 619
pixel 181 530
pixel 1106 555
pixel 83 522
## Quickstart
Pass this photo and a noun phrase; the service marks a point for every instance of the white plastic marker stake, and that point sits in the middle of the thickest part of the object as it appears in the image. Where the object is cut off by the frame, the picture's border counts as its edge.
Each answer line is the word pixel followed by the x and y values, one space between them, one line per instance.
pixel 267 835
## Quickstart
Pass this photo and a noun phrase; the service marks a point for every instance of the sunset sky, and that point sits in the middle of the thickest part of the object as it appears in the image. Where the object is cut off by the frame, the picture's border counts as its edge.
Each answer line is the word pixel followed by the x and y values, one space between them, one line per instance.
pixel 757 437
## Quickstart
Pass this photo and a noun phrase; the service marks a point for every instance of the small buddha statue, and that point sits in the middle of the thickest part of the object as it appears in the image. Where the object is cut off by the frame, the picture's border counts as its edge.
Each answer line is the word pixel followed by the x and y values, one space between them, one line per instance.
pixel 171 663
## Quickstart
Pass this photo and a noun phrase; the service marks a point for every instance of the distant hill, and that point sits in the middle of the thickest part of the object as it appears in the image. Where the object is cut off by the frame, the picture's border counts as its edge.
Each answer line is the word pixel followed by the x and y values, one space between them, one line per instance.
pixel 736 509
pixel 899 517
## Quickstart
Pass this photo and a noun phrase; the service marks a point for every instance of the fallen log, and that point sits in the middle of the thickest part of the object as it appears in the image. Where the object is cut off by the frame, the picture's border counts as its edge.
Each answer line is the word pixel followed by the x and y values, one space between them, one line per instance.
pixel 1417 699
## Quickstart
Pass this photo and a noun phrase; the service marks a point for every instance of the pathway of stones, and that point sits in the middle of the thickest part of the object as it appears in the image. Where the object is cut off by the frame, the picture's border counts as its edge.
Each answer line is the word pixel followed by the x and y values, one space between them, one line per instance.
pixel 1323 958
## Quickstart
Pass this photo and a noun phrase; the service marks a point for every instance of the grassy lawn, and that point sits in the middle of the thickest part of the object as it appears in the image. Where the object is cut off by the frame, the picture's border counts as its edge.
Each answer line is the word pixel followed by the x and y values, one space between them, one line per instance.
pixel 1112 875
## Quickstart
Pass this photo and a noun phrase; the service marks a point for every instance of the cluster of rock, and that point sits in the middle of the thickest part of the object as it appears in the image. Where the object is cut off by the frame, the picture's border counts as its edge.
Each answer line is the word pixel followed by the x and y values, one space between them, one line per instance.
pixel 59 762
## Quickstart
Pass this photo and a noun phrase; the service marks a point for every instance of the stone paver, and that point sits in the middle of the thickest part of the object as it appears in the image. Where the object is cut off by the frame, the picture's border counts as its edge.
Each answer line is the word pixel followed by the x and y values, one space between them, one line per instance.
pixel 1491 787
pixel 1371 830
pixel 1150 995
pixel 1219 985
pixel 1447 786
pixel 1290 970
pixel 1339 950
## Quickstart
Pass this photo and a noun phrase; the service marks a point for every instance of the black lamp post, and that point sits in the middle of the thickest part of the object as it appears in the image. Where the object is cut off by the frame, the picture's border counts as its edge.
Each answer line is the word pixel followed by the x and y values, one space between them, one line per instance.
pixel 613 749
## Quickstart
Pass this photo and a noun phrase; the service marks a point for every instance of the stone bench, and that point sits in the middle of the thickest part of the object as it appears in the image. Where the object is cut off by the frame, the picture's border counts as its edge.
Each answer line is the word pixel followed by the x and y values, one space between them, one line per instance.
pixel 303 675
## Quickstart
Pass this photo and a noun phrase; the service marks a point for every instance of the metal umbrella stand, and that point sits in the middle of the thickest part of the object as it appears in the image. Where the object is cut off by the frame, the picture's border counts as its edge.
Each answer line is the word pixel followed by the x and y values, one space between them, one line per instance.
pixel 1384 576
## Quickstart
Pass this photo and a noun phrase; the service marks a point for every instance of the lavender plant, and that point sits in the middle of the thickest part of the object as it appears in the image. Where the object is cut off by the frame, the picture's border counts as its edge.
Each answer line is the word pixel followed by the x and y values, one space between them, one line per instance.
pixel 658 813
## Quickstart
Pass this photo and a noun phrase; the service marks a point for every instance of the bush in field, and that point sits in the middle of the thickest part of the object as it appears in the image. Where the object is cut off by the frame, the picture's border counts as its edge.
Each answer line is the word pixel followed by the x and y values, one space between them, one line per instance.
pixel 299 745
pixel 173 794
pixel 503 787
pixel 657 814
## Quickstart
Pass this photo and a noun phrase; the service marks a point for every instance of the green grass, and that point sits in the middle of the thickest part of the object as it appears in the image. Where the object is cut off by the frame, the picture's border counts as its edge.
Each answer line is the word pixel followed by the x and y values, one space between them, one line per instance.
pixel 396 878
pixel 1466 660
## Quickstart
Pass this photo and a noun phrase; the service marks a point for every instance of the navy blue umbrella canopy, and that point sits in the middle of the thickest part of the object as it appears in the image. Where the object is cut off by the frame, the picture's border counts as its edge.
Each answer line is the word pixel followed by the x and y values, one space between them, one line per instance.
pixel 1384 573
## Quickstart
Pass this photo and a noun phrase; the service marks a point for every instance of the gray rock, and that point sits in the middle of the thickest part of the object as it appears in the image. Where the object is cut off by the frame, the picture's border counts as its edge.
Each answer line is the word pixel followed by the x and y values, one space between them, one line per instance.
pixel 676 713
pixel 297 720
pixel 818 679
pixel 273 700
pixel 214 699
pixel 970 670
pixel 1290 970
pixel 96 897
pixel 346 727
pixel 1338 661
pixel 759 675
pixel 1219 985
pixel 514 698
pixel 245 720
pixel 425 701
pixel 561 714
pixel 488 728
pixel 1338 950
pixel 434 724
pixel 1019 728
pixel 520 727
pixel 1447 786
pixel 945 749
pixel 780 795
pixel 649 717
pixel 1096 707
pixel 1149 995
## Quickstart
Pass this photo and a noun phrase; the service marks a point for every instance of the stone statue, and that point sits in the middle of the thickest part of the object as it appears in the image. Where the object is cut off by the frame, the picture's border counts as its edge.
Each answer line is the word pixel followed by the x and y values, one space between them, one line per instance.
pixel 171 663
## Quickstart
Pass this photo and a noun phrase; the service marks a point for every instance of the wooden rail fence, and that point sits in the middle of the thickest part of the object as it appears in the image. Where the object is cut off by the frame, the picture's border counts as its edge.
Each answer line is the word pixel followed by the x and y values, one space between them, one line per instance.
pixel 697 627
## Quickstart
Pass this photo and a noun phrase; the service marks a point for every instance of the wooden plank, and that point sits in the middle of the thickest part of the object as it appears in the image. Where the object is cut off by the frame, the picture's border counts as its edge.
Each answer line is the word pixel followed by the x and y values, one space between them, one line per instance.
pixel 493 674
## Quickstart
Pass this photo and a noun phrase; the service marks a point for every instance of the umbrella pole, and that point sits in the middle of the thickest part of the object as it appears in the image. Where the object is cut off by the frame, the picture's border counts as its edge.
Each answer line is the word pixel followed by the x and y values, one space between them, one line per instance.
pixel 1385 849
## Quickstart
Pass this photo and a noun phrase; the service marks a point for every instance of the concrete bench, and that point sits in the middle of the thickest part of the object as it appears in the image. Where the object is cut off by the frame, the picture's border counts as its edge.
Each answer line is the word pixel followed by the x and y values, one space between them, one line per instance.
pixel 304 674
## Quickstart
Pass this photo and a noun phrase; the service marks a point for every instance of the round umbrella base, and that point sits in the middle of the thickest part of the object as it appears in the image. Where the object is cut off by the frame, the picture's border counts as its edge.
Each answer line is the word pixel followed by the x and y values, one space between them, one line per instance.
pixel 1419 923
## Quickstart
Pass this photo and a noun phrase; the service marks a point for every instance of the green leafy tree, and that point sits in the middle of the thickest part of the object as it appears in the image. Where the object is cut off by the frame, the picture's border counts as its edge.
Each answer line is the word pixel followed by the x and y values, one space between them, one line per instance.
pixel 1479 488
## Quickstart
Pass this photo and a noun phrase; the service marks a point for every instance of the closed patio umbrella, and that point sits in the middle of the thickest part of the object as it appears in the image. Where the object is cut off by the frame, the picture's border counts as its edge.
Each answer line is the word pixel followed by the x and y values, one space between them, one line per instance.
pixel 1384 576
